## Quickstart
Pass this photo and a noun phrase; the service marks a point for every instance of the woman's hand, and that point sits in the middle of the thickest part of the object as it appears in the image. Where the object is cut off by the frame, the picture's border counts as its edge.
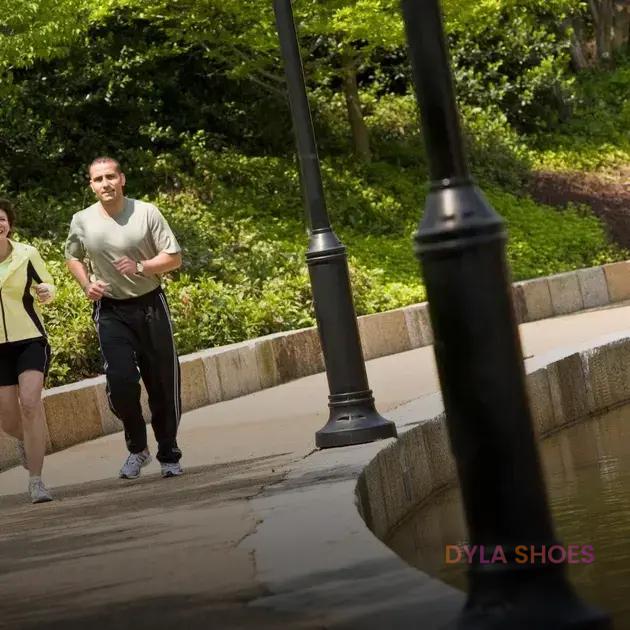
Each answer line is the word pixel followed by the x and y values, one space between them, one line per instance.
pixel 45 292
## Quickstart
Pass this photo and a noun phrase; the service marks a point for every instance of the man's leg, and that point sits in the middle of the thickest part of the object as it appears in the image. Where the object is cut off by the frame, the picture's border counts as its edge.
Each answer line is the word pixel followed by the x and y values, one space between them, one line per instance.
pixel 160 371
pixel 118 347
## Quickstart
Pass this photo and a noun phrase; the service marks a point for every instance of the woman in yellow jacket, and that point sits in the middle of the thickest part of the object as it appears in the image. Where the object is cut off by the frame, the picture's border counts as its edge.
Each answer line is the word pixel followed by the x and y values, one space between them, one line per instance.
pixel 24 349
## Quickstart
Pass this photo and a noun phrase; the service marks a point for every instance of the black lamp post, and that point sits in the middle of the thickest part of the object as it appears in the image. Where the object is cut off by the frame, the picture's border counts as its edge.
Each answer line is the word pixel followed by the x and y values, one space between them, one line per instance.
pixel 461 246
pixel 353 416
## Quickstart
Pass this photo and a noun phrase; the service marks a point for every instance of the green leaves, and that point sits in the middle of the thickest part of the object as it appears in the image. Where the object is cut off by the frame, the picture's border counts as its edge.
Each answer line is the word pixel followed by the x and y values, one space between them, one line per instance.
pixel 38 30
pixel 596 136
pixel 513 55
pixel 373 22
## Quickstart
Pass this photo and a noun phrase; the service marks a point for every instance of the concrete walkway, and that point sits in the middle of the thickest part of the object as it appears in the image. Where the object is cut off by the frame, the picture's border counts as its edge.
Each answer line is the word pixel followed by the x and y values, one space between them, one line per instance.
pixel 151 553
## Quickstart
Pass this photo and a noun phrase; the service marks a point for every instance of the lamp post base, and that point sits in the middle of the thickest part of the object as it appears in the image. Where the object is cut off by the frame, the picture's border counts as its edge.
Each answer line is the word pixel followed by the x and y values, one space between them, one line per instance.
pixel 543 601
pixel 353 420
pixel 514 619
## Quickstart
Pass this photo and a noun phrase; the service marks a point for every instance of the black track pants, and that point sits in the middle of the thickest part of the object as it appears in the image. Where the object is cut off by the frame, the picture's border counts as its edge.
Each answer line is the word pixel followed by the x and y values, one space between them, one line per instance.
pixel 136 340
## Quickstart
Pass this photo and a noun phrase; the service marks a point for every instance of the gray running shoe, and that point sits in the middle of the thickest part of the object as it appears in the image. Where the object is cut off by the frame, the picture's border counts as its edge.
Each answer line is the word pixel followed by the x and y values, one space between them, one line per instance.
pixel 135 462
pixel 22 453
pixel 170 469
pixel 38 491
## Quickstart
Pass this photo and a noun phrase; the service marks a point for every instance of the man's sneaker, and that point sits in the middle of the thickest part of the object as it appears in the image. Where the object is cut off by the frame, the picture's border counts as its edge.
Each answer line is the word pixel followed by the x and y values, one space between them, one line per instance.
pixel 22 453
pixel 171 469
pixel 38 491
pixel 135 462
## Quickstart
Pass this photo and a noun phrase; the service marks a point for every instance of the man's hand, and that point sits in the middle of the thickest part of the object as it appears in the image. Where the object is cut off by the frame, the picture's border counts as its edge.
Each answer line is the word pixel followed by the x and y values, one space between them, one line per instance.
pixel 126 266
pixel 95 290
pixel 44 292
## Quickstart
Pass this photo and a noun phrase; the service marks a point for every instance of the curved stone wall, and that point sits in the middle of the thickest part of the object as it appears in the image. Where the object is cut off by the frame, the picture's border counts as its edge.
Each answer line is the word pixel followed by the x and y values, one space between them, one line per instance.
pixel 78 412
pixel 563 389
pixel 315 556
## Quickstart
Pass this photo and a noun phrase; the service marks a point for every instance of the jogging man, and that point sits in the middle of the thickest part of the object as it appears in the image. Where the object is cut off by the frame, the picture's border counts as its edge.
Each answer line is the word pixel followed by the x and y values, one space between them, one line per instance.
pixel 116 250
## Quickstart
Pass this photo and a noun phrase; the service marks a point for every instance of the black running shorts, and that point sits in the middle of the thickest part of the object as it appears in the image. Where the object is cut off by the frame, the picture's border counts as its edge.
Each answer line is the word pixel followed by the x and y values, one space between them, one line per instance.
pixel 18 356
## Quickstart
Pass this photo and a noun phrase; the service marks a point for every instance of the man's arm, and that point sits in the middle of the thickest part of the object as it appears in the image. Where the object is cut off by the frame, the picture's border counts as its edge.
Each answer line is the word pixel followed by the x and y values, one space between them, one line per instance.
pixel 78 270
pixel 93 290
pixel 161 263
pixel 75 253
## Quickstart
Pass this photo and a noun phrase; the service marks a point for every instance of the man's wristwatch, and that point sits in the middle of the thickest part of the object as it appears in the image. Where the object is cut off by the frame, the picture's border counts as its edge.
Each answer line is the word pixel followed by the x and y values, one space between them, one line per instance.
pixel 139 267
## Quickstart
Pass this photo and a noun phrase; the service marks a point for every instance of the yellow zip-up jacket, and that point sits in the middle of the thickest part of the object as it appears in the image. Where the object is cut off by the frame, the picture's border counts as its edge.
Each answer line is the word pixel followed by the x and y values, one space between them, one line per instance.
pixel 20 317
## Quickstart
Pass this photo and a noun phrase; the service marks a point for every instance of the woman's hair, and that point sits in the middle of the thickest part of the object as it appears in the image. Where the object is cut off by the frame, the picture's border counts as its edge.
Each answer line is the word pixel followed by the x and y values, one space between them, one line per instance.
pixel 7 206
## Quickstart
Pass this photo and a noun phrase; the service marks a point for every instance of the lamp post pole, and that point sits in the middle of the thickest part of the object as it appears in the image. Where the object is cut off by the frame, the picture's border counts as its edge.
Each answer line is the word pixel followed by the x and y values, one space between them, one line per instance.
pixel 461 246
pixel 353 417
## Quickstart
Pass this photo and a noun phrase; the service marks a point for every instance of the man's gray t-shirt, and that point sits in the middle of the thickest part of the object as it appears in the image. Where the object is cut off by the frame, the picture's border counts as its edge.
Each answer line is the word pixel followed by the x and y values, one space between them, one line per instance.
pixel 139 232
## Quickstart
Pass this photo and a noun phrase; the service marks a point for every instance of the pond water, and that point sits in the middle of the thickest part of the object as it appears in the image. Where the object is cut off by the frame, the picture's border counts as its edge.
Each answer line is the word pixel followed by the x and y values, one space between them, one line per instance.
pixel 587 470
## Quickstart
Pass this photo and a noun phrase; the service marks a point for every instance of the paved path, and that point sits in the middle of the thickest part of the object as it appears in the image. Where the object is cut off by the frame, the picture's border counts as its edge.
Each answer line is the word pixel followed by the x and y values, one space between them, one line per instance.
pixel 110 553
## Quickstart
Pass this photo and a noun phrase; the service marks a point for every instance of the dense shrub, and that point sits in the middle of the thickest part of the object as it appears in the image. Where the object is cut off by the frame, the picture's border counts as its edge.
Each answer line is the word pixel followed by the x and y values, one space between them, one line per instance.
pixel 545 240
pixel 497 154
pixel 513 56
pixel 597 135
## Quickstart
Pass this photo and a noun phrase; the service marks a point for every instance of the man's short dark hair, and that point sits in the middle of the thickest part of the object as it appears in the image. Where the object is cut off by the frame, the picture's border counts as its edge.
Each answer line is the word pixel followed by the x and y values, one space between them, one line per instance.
pixel 103 159
pixel 7 206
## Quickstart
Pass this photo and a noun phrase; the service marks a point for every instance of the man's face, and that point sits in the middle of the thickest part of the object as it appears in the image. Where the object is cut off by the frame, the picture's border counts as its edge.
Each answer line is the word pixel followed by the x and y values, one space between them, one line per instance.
pixel 107 182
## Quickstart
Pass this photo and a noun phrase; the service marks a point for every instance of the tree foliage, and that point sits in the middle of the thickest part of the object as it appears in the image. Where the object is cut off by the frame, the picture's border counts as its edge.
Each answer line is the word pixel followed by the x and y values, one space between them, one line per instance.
pixel 139 77
pixel 190 96
pixel 36 30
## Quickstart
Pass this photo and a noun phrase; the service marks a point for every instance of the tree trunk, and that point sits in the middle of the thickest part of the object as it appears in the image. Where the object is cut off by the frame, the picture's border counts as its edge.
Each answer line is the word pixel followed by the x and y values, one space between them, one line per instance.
pixel 621 26
pixel 602 11
pixel 578 56
pixel 360 134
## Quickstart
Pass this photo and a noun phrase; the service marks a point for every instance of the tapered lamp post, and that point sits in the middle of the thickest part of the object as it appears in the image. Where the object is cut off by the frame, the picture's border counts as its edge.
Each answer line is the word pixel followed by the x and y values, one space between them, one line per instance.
pixel 353 417
pixel 461 246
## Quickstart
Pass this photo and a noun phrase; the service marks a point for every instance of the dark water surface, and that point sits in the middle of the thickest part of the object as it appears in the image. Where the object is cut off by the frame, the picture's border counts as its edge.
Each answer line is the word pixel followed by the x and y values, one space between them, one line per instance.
pixel 587 469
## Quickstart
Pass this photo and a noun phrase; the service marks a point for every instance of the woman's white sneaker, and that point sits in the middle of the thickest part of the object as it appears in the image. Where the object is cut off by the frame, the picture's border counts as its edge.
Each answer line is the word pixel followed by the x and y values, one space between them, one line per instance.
pixel 134 464
pixel 38 491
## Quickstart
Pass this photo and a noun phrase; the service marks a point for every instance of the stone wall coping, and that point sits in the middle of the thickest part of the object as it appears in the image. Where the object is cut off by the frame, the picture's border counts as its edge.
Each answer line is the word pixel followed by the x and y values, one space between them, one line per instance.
pixel 552 356
pixel 589 371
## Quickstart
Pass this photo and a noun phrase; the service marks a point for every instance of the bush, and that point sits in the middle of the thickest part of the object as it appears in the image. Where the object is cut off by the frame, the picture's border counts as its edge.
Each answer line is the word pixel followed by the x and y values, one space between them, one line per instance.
pixel 498 155
pixel 544 240
pixel 513 56
pixel 597 134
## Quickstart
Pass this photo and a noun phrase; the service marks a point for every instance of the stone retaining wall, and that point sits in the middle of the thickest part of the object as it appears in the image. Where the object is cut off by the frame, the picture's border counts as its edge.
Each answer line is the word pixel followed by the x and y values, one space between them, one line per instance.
pixel 79 412
pixel 419 464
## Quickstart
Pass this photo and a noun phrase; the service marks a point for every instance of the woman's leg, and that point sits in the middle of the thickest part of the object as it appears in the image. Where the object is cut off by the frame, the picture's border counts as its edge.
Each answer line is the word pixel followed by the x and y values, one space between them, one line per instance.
pixel 10 420
pixel 31 383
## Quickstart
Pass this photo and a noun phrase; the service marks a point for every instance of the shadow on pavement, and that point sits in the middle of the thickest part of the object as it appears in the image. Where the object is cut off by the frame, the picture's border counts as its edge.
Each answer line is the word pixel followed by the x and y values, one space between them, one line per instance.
pixel 157 613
